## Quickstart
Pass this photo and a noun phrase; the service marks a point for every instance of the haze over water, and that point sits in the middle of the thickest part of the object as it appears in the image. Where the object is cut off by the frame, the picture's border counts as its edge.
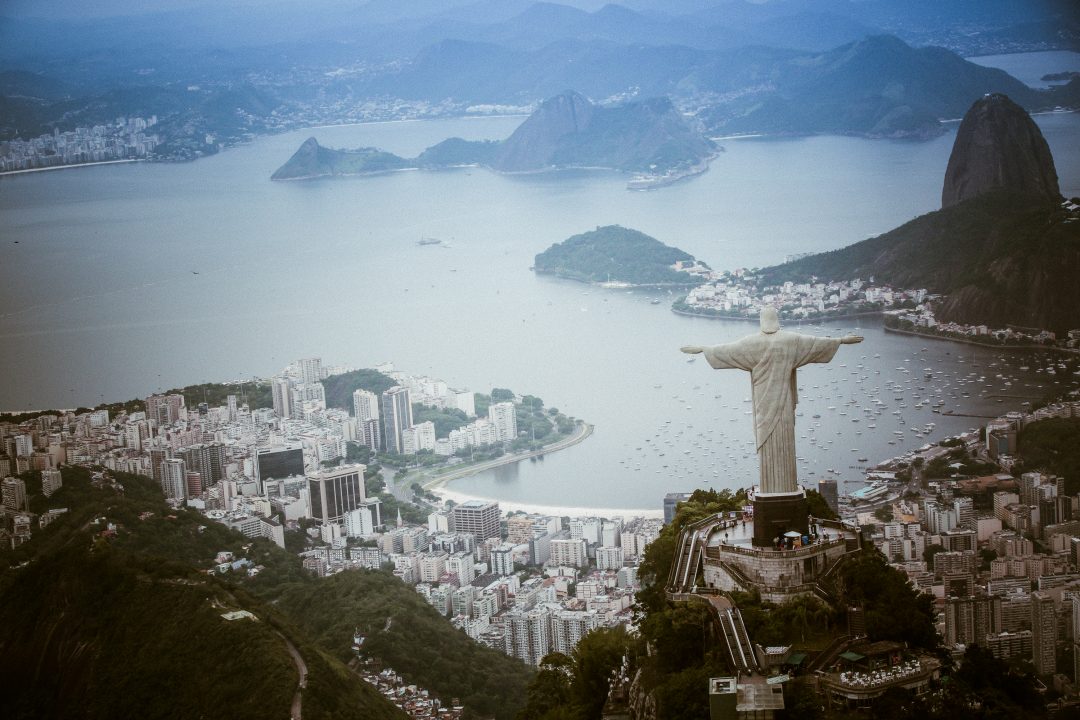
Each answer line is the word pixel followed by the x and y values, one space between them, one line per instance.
pixel 100 300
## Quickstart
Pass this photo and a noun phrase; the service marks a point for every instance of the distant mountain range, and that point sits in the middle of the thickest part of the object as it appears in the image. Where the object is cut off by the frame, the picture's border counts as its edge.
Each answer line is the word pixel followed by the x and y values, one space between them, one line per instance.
pixel 1004 248
pixel 876 86
pixel 565 131
pixel 783 66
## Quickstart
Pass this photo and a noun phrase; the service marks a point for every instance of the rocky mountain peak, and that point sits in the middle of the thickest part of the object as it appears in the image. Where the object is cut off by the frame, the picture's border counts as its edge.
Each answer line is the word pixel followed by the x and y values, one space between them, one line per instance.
pixel 999 147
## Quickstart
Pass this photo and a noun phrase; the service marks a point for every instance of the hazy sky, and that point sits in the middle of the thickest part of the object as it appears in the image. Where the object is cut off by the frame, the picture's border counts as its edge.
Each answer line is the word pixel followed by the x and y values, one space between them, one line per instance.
pixel 104 8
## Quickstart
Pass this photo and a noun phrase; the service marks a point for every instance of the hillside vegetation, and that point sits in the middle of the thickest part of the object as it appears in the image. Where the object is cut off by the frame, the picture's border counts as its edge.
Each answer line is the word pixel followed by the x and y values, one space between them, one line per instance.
pixel 106 613
pixel 1002 258
pixel 618 254
pixel 339 388
pixel 406 633
pixel 126 622
pixel 1053 446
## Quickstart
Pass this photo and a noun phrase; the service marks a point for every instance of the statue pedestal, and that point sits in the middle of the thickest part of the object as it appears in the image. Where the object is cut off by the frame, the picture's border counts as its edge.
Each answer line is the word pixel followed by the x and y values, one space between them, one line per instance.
pixel 776 514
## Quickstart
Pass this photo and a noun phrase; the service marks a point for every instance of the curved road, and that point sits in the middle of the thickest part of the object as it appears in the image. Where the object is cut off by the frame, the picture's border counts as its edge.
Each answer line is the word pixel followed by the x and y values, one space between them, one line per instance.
pixel 301 669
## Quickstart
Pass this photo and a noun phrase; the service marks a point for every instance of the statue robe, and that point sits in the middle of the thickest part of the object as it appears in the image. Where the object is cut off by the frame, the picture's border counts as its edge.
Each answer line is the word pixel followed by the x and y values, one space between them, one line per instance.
pixel 771 359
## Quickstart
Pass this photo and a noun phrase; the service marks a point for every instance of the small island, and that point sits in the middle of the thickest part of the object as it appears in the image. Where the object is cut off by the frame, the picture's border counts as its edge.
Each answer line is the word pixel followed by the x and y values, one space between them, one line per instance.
pixel 614 256
pixel 313 161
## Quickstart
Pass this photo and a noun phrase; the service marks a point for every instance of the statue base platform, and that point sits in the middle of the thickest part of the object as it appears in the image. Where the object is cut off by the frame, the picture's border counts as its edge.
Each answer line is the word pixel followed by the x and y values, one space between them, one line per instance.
pixel 775 515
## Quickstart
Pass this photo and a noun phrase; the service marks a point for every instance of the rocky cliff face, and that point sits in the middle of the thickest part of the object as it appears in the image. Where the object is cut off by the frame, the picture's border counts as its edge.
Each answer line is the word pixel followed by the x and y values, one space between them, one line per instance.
pixel 569 131
pixel 536 140
pixel 999 147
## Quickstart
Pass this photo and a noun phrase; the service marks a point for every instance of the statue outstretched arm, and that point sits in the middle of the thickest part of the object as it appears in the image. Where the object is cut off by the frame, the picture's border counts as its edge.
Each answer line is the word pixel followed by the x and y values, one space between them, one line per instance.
pixel 851 339
pixel 692 349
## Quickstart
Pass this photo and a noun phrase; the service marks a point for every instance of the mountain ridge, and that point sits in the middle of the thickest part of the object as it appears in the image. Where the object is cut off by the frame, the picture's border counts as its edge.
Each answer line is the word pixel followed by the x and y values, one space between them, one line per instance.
pixel 567 130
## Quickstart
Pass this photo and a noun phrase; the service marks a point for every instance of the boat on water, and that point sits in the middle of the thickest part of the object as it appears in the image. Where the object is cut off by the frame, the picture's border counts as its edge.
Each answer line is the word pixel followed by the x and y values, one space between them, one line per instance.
pixel 654 301
pixel 429 241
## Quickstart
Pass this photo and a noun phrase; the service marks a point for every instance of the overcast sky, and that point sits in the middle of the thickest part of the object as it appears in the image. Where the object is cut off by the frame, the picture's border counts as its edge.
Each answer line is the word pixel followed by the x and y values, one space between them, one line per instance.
pixel 104 8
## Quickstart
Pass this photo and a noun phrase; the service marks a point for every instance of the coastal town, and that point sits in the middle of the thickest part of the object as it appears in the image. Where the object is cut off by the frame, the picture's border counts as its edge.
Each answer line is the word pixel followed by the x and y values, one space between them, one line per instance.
pixel 740 294
pixel 128 138
pixel 993 539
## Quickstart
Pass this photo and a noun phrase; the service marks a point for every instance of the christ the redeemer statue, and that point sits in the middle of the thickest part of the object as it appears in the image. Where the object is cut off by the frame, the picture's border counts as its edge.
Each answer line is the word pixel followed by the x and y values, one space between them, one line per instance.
pixel 771 357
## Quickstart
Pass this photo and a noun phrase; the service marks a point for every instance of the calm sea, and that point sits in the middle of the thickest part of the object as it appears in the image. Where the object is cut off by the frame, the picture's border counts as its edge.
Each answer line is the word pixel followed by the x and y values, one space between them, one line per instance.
pixel 121 280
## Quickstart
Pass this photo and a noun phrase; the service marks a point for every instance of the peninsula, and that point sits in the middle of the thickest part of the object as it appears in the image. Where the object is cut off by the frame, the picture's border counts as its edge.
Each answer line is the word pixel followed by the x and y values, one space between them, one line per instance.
pixel 1005 247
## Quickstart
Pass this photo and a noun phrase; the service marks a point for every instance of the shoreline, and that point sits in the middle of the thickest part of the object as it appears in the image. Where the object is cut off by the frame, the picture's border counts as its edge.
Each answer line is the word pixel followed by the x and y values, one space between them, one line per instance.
pixel 438 487
pixel 805 321
pixel 988 346
pixel 557 510
pixel 435 483
pixel 72 165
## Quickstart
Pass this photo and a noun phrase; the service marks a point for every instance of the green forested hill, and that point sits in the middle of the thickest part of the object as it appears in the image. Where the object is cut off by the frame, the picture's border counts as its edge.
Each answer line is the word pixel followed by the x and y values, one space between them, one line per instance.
pixel 98 623
pixel 406 633
pixel 109 623
pixel 618 254
pixel 1002 258
pixel 312 161
pixel 339 388
pixel 1053 446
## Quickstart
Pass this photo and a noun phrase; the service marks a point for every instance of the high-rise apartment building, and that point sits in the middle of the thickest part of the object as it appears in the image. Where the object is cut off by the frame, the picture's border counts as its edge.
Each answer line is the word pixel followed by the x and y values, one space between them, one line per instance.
pixel 366 411
pixel 336 492
pixel 569 552
pixel 174 479
pixel 476 517
pixel 310 369
pixel 365 405
pixel 158 455
pixel 208 460
pixel 23 446
pixel 528 634
pixel 281 392
pixel 519 529
pixel 969 620
pixel 503 417
pixel 1076 638
pixel 396 413
pixel 164 409
pixel 502 559
pixel 51 481
pixel 569 626
pixel 418 438
pixel 609 558
pixel 1043 633
pixel 13 492
pixel 277 463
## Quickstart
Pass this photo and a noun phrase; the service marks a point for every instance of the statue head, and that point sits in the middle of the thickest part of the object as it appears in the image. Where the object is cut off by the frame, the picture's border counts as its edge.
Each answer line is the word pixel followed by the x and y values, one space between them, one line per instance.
pixel 770 321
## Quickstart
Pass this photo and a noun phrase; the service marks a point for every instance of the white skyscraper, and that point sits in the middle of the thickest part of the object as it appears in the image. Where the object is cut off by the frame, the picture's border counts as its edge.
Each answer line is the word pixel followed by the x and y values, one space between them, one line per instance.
pixel 528 634
pixel 51 481
pixel 24 445
pixel 569 626
pixel 504 418
pixel 174 479
pixel 310 369
pixel 365 405
pixel 418 437
pixel 280 390
pixel 396 411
